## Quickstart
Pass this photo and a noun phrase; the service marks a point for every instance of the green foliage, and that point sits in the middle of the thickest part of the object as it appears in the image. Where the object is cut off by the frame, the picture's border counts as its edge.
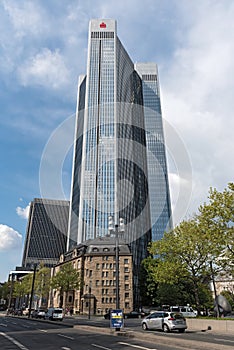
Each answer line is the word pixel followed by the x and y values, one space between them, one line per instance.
pixel 42 281
pixel 229 296
pixel 148 287
pixel 4 290
pixel 184 255
pixel 66 279
pixel 218 218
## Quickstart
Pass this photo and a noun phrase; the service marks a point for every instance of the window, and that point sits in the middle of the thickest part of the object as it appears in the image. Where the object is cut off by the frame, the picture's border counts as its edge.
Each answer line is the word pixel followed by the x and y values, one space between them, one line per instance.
pixel 97 266
pixel 90 273
pixel 127 305
pixel 97 283
pixel 90 258
pixel 126 261
pixel 126 278
pixel 126 295
pixel 126 286
pixel 126 269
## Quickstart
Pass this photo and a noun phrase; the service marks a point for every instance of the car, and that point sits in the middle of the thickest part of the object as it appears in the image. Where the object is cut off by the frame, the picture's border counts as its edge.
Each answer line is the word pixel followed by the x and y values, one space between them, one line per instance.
pixel 25 312
pixel 165 321
pixel 40 313
pixel 54 313
pixel 107 315
pixel 134 314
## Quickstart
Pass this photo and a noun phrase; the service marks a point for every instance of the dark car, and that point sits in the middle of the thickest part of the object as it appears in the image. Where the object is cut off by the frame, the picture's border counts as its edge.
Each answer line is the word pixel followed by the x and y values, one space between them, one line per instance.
pixel 134 314
pixel 107 315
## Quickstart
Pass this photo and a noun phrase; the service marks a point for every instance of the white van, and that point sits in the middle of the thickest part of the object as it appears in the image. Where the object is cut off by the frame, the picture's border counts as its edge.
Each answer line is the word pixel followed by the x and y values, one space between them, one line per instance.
pixel 186 311
pixel 54 313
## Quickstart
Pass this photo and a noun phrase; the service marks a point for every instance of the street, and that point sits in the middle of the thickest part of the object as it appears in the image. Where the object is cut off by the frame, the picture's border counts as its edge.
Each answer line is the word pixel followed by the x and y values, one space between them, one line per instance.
pixel 26 334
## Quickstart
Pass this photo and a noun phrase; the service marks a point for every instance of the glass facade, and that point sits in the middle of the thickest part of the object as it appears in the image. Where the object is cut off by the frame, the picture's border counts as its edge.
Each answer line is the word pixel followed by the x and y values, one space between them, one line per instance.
pixel 160 204
pixel 119 153
pixel 46 235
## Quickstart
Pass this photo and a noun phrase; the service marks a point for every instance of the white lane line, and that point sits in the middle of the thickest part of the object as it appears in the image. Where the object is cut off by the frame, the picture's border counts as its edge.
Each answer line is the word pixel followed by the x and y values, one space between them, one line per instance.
pixel 43 330
pixel 100 347
pixel 66 336
pixel 20 346
pixel 136 346
pixel 3 324
pixel 226 340
pixel 64 348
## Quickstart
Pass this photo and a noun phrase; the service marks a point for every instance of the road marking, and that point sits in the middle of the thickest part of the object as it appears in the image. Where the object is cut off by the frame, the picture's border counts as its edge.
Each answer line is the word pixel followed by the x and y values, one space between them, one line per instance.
pixel 100 347
pixel 43 330
pixel 3 324
pixel 65 336
pixel 21 346
pixel 227 340
pixel 136 346
pixel 64 348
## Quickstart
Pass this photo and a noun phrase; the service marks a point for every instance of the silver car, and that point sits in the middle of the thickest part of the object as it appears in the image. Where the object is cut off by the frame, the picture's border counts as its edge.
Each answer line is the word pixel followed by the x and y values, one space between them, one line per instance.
pixel 166 321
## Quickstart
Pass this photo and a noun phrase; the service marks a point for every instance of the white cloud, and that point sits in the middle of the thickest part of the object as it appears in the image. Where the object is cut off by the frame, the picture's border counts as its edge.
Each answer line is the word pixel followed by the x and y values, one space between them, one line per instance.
pixel 9 238
pixel 46 68
pixel 25 16
pixel 23 212
pixel 197 90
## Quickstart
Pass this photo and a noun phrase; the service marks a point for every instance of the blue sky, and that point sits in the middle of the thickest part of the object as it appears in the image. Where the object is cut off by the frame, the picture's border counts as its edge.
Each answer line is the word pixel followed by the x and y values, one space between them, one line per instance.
pixel 43 51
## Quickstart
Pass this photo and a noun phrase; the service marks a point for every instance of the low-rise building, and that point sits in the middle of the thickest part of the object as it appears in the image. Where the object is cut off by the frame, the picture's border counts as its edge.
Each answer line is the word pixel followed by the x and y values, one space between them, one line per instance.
pixel 96 262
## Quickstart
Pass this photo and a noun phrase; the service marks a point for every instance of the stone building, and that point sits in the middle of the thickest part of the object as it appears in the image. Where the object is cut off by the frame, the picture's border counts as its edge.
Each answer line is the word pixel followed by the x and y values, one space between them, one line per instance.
pixel 95 260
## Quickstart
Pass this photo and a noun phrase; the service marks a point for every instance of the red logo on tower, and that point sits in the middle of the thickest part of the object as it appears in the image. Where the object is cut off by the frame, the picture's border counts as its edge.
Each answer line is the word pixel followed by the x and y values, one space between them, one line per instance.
pixel 103 25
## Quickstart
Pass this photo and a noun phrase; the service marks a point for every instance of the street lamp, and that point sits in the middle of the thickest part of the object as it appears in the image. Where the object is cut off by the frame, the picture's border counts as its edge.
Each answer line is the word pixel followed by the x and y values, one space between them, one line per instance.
pixel 32 290
pixel 117 229
pixel 90 282
pixel 11 290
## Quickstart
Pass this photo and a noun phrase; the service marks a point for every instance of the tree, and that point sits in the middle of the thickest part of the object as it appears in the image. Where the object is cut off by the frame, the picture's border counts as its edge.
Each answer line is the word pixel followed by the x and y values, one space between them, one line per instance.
pixel 67 279
pixel 199 249
pixel 148 286
pixel 42 283
pixel 217 217
pixel 183 255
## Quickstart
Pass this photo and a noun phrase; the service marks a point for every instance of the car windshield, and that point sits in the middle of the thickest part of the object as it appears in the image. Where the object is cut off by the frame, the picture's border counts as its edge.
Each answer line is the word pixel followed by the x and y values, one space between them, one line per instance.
pixel 58 311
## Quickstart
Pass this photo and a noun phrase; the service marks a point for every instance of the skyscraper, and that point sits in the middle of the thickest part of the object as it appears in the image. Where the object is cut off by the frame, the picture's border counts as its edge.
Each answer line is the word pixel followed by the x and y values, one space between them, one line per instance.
pixel 46 235
pixel 119 166
pixel 159 195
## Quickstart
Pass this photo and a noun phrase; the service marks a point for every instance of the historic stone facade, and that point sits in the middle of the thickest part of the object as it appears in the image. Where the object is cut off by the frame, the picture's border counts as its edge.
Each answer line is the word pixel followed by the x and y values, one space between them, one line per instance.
pixel 95 260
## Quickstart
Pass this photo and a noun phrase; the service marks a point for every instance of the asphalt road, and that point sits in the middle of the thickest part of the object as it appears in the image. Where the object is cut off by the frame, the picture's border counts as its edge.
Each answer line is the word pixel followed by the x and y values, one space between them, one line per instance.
pixel 26 334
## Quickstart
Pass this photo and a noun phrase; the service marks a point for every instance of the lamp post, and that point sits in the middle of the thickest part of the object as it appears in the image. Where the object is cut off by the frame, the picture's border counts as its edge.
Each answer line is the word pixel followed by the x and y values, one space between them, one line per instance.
pixel 89 300
pixel 116 229
pixel 32 290
pixel 11 291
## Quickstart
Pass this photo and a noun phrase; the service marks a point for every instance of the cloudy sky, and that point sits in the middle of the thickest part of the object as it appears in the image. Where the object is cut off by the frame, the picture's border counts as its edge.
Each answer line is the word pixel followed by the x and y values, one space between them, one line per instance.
pixel 43 51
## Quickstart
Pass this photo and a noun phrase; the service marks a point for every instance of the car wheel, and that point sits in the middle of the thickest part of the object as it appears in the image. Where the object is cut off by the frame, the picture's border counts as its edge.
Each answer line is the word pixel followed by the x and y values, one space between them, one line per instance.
pixel 181 330
pixel 166 328
pixel 144 326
